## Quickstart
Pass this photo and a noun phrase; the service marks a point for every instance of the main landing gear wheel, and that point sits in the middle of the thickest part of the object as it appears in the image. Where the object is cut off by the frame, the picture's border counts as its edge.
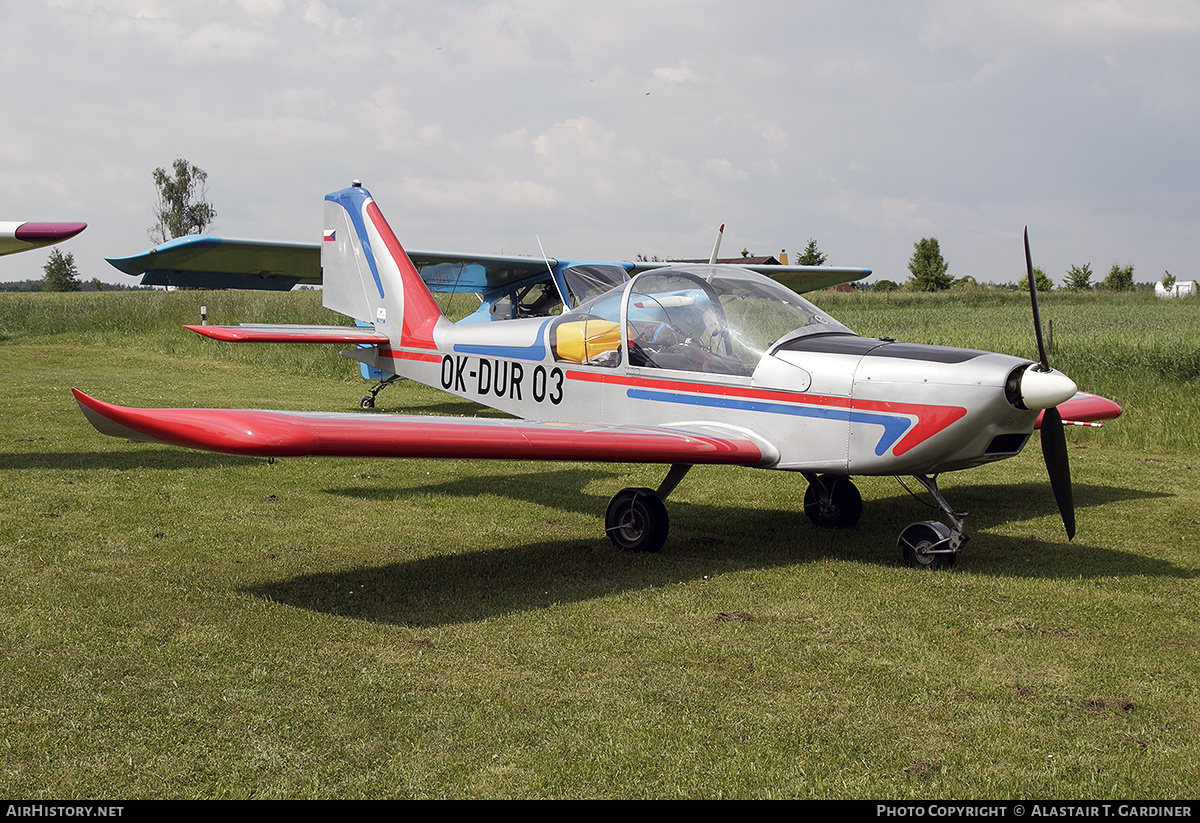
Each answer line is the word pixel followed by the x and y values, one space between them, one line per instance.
pixel 368 402
pixel 927 545
pixel 832 502
pixel 636 520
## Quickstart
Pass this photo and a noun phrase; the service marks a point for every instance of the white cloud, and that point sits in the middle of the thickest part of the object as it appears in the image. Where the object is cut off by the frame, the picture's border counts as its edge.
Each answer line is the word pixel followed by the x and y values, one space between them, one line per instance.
pixel 680 73
pixel 488 121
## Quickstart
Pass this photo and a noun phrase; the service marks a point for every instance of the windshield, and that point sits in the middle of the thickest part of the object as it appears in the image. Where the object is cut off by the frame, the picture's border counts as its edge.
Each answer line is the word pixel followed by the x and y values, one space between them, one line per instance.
pixel 584 282
pixel 705 318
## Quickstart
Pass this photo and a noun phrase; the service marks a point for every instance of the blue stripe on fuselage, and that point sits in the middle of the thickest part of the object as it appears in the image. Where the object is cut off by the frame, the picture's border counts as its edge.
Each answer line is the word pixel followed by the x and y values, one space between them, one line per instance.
pixel 893 427
pixel 536 351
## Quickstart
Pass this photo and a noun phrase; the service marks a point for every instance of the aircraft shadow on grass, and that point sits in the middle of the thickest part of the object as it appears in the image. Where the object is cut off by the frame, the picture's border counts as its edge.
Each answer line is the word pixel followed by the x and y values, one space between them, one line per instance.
pixel 562 489
pixel 465 587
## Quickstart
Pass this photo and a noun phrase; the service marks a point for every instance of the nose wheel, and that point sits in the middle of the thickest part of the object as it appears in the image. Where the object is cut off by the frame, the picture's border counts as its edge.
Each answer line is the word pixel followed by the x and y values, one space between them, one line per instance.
pixel 930 544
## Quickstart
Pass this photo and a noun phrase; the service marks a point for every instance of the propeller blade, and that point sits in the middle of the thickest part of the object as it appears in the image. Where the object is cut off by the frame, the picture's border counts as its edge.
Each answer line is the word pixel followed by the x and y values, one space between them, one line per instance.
pixel 1037 318
pixel 1054 439
pixel 1054 451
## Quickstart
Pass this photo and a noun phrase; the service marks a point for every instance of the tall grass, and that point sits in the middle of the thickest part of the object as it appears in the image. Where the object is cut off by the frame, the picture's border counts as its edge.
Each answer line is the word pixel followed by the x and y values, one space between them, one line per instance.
pixel 1139 350
pixel 154 320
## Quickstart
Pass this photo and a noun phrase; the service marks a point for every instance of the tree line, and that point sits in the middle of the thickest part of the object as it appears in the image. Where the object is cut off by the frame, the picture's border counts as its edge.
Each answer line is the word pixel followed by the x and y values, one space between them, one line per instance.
pixel 930 272
pixel 182 208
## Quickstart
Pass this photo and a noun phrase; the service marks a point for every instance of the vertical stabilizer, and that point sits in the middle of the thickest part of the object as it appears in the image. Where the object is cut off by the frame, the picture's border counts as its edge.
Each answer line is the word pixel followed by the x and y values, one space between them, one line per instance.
pixel 367 274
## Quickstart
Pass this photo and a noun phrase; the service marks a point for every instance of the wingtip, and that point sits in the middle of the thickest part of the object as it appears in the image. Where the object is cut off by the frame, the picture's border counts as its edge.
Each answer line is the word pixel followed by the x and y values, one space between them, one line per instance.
pixel 90 405
pixel 47 233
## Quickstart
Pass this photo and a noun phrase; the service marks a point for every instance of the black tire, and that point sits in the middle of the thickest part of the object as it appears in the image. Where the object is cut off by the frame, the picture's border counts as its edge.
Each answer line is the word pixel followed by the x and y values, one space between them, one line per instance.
pixel 367 403
pixel 918 538
pixel 637 521
pixel 843 508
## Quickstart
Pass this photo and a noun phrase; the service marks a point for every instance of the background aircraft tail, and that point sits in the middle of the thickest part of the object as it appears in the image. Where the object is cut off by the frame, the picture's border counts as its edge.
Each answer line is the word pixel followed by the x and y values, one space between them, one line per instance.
pixel 367 274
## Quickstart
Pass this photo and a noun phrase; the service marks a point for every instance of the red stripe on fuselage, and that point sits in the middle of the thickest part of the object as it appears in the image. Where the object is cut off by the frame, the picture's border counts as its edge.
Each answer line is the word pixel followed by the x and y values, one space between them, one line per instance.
pixel 395 354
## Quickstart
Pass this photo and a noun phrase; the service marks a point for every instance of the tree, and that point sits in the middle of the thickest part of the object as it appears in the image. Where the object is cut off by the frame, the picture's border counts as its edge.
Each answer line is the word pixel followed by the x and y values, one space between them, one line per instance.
pixel 60 272
pixel 182 207
pixel 929 270
pixel 1079 279
pixel 812 255
pixel 1041 280
pixel 1120 278
pixel 886 285
pixel 1168 280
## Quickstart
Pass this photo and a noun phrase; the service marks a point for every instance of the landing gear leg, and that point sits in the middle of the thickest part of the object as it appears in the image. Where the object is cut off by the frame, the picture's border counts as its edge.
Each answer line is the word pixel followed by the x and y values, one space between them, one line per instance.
pixel 368 402
pixel 930 544
pixel 636 520
pixel 832 502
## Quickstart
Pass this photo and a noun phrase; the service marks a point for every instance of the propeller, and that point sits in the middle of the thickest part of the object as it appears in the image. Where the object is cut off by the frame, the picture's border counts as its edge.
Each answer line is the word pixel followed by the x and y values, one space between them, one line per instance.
pixel 1054 440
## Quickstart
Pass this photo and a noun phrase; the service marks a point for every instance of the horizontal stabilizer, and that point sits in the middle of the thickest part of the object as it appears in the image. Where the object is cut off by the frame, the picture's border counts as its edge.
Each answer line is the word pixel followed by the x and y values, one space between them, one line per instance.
pixel 283 333
pixel 298 434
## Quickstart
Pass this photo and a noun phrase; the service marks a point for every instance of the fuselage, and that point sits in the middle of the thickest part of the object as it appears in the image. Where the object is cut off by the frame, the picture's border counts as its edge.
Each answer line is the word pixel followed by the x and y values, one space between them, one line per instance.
pixel 685 348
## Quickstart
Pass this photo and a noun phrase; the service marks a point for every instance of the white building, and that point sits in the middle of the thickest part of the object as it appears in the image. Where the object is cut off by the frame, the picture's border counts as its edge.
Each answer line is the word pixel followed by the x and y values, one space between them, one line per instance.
pixel 1182 288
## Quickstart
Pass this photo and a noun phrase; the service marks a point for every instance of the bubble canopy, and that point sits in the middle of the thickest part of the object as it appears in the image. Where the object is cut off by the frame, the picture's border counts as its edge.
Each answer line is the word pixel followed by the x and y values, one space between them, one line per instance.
pixel 706 318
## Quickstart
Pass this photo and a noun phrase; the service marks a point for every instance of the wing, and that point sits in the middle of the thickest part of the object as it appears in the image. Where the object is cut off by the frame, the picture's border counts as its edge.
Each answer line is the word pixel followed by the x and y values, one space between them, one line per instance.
pixel 206 261
pixel 15 237
pixel 1085 410
pixel 210 262
pixel 801 279
pixel 297 434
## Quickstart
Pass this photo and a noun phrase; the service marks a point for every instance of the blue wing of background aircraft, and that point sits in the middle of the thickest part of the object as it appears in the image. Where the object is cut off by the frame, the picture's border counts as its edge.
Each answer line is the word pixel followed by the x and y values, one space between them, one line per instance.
pixel 510 285
pixel 205 261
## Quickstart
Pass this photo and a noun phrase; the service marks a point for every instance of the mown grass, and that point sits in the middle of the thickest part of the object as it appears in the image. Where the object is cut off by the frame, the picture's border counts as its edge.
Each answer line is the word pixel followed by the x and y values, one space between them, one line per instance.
pixel 182 624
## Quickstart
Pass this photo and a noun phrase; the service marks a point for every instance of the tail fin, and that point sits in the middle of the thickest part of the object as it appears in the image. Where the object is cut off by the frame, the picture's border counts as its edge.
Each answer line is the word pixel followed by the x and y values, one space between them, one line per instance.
pixel 367 274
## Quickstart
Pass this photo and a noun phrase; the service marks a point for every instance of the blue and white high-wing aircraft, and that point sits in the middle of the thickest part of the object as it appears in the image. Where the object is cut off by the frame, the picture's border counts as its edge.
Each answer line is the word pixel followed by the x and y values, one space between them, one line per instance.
pixel 23 236
pixel 508 286
pixel 676 365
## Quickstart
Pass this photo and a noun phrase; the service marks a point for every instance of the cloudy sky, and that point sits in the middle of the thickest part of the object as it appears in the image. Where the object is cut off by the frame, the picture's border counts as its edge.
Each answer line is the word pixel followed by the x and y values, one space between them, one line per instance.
pixel 622 128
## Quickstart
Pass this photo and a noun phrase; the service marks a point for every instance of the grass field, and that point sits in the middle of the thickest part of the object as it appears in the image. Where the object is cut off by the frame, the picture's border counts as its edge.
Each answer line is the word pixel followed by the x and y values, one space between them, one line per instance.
pixel 182 624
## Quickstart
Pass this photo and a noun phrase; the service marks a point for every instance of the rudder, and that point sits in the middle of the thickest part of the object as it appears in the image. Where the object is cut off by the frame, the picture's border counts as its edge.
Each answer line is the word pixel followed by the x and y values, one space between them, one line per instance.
pixel 367 274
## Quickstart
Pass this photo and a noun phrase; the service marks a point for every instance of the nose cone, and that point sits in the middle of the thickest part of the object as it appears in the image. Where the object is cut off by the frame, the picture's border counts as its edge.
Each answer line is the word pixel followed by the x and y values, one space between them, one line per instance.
pixel 1045 389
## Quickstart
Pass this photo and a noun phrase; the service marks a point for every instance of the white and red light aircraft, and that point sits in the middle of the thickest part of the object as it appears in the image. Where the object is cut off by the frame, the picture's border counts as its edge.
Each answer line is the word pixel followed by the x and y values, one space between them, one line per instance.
pixel 681 365
pixel 23 236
